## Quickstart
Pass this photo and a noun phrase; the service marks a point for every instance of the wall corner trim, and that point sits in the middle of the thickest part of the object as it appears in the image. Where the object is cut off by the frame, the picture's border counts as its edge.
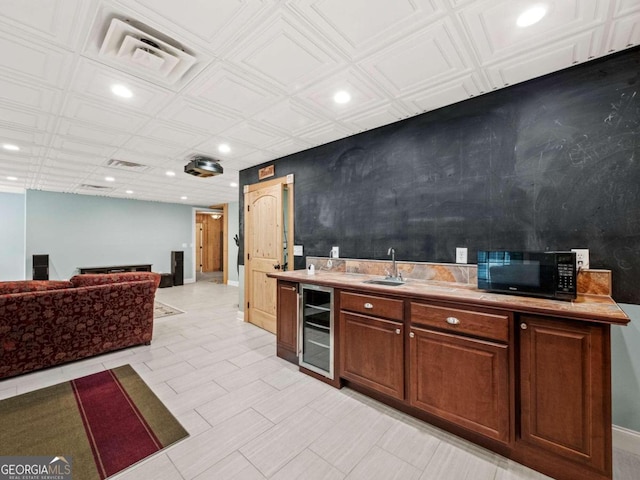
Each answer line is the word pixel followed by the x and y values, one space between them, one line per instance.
pixel 627 440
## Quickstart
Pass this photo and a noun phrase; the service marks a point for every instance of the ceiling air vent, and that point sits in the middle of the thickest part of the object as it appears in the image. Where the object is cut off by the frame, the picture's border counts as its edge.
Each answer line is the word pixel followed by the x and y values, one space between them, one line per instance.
pixel 128 166
pixel 88 186
pixel 141 50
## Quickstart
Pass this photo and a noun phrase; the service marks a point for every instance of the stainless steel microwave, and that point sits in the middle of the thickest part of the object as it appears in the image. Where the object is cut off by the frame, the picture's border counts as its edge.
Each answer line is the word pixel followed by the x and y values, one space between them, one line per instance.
pixel 537 274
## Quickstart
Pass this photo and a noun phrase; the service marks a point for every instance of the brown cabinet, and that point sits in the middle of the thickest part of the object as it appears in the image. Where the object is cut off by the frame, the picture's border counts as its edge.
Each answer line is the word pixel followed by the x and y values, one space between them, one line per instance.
pixel 372 305
pixel 287 322
pixel 565 391
pixel 493 326
pixel 456 376
pixel 372 348
pixel 532 383
pixel 461 380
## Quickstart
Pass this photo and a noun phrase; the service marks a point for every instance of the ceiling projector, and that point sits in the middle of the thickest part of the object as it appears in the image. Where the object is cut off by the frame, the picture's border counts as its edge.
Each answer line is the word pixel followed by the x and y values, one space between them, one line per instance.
pixel 200 166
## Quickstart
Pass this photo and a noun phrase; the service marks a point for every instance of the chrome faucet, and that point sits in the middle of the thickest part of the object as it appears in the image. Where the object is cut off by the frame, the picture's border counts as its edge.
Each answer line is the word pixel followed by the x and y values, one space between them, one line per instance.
pixel 394 268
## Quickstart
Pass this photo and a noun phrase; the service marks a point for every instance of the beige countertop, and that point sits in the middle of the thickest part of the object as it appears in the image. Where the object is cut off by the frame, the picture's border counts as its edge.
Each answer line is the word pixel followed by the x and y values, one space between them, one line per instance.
pixel 594 308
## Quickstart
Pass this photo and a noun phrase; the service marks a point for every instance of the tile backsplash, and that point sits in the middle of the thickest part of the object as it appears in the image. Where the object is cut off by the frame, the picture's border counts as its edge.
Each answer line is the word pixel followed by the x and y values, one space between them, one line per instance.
pixel 592 282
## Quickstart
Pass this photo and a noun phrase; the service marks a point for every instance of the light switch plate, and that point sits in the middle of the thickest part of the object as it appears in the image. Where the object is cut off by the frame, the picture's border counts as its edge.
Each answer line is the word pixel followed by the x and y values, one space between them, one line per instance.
pixel 297 251
pixel 461 255
pixel 582 257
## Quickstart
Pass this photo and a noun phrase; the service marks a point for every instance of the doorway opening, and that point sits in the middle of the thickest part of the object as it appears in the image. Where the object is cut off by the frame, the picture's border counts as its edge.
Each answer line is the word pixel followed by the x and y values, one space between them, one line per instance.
pixel 211 247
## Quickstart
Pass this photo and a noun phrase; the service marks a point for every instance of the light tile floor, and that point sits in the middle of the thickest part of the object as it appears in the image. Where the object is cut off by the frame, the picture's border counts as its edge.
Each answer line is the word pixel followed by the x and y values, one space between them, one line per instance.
pixel 251 415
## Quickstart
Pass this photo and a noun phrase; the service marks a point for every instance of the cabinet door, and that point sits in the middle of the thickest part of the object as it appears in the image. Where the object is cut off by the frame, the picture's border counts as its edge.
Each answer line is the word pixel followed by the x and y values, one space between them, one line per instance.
pixel 287 322
pixel 565 389
pixel 372 353
pixel 462 380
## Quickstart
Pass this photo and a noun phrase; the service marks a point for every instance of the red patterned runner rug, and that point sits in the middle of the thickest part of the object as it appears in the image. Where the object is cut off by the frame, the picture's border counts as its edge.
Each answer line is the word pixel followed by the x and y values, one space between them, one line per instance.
pixel 104 422
pixel 101 398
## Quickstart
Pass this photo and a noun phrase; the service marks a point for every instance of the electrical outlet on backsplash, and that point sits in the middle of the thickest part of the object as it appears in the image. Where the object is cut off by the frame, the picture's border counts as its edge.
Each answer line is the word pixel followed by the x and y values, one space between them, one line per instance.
pixel 582 258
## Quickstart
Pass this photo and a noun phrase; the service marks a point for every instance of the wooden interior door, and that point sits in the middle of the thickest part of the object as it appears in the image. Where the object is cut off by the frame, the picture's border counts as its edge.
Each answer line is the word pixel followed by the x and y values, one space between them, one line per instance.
pixel 199 247
pixel 214 244
pixel 209 243
pixel 264 241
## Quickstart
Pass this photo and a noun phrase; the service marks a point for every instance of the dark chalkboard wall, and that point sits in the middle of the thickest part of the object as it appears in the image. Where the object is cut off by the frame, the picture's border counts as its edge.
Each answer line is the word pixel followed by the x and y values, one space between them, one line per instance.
pixel 553 163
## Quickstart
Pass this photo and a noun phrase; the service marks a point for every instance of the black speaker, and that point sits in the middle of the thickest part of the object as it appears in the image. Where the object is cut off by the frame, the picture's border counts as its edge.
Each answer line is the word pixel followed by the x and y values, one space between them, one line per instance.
pixel 177 267
pixel 40 267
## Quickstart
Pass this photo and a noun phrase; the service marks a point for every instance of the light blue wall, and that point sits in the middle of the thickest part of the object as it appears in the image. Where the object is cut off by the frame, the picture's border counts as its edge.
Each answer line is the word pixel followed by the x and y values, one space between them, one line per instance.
pixel 233 226
pixel 12 256
pixel 85 231
pixel 625 370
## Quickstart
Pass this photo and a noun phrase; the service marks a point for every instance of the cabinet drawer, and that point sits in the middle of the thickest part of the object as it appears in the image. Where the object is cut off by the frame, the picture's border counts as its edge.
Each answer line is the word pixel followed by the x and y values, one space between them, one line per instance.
pixel 372 305
pixel 480 324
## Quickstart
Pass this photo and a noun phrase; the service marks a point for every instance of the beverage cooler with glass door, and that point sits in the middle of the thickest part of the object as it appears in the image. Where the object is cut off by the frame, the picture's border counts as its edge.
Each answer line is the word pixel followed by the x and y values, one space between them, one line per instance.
pixel 316 329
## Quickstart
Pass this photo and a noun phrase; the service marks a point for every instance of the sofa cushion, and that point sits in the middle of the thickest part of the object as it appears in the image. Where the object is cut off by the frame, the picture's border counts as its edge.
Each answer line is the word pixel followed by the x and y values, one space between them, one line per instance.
pixel 91 279
pixel 21 286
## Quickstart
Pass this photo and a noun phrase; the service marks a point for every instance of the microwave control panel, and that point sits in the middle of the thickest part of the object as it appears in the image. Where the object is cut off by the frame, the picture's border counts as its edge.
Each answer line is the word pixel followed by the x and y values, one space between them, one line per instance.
pixel 565 277
pixel 566 265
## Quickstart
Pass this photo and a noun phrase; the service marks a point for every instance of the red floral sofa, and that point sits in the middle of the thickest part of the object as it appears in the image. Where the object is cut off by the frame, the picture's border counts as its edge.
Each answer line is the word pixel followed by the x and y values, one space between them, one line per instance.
pixel 45 323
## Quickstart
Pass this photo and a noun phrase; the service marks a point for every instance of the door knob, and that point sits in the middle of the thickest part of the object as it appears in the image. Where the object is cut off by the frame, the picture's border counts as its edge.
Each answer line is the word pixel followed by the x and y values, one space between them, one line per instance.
pixel 277 266
pixel 412 335
pixel 523 326
pixel 397 331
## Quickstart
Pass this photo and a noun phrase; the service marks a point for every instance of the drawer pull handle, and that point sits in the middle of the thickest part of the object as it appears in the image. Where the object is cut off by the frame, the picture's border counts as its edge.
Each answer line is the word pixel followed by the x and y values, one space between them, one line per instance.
pixel 523 326
pixel 368 305
pixel 412 335
pixel 397 331
pixel 453 321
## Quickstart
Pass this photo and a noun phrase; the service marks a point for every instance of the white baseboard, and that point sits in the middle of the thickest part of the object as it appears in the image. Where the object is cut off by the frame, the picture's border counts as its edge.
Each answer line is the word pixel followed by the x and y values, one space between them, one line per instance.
pixel 627 440
pixel 233 283
pixel 189 280
pixel 240 315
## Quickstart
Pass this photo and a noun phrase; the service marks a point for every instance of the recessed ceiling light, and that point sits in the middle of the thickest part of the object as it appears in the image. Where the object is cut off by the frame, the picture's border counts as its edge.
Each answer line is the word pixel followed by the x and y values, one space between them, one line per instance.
pixel 13 179
pixel 121 91
pixel 342 97
pixel 532 15
pixel 183 197
pixel 110 179
pixel 224 148
pixel 129 192
pixel 170 173
pixel 233 184
pixel 10 147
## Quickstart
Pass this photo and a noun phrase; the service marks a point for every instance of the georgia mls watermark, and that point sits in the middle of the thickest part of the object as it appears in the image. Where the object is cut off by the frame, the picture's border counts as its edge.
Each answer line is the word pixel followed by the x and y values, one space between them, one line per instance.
pixel 35 468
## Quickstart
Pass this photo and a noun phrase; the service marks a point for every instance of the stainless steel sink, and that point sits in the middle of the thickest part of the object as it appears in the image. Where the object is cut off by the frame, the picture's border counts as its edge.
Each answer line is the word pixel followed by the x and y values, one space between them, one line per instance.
pixel 389 283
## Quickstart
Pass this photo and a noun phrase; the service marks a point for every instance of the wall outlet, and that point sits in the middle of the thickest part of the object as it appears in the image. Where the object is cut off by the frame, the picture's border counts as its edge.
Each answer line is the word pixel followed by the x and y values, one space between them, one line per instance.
pixel 582 258
pixel 335 252
pixel 461 255
pixel 297 251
